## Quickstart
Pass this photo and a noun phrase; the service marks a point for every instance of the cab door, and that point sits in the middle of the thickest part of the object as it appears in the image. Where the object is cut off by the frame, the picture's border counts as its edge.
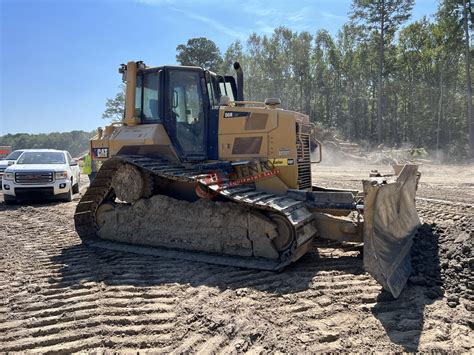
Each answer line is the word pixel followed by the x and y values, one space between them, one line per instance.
pixel 187 106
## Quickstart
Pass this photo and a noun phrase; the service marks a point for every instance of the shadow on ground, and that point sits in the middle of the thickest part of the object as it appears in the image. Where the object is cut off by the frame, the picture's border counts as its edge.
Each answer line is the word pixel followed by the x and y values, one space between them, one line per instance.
pixel 403 318
pixel 81 264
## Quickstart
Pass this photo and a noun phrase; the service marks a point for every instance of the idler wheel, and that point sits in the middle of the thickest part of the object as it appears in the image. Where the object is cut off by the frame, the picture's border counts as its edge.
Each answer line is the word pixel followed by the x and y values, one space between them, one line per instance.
pixel 286 232
pixel 130 184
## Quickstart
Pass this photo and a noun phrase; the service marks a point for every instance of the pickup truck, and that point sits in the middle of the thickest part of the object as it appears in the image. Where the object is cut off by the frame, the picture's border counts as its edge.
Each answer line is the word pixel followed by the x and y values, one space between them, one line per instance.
pixel 41 173
pixel 9 160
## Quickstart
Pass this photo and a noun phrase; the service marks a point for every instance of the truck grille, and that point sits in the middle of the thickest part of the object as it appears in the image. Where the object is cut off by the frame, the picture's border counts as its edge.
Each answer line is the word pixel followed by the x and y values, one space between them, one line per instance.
pixel 304 162
pixel 34 177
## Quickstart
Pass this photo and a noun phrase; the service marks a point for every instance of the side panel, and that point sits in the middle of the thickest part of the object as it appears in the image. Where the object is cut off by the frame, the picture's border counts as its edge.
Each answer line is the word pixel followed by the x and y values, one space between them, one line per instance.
pixel 247 133
pixel 151 136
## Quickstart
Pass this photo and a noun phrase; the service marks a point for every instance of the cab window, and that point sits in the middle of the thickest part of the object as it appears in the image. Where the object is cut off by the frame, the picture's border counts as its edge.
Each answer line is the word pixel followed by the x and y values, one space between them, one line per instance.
pixel 187 110
pixel 147 97
pixel 226 89
pixel 213 91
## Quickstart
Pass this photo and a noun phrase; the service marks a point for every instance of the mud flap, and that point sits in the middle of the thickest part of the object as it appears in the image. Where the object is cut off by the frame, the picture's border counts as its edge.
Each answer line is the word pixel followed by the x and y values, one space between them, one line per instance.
pixel 390 222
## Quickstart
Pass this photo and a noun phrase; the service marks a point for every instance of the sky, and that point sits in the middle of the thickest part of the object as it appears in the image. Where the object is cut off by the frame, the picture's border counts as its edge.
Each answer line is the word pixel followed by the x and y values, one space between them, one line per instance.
pixel 59 58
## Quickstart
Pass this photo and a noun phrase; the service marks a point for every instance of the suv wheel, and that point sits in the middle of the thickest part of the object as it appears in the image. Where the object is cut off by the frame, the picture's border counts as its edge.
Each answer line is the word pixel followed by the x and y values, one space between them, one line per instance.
pixel 75 188
pixel 67 197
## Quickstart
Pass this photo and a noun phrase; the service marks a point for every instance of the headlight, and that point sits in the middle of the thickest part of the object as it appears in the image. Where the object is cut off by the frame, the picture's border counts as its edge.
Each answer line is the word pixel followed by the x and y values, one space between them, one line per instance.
pixel 60 175
pixel 8 176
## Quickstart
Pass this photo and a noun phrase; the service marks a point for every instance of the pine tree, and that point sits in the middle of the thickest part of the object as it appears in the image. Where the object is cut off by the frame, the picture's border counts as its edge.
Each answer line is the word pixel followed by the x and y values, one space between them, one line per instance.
pixel 382 17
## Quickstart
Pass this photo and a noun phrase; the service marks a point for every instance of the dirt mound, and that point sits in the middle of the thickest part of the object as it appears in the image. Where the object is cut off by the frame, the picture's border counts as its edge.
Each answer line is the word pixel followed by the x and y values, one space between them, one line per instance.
pixel 453 262
pixel 337 150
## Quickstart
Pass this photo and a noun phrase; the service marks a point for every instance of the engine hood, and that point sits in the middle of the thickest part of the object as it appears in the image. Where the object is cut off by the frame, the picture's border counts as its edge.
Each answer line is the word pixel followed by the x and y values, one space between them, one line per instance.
pixel 4 163
pixel 37 167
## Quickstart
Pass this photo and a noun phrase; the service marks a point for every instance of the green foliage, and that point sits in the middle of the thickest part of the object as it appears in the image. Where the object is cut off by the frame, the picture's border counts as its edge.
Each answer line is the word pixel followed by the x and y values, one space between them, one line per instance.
pixel 115 107
pixel 235 53
pixel 375 81
pixel 381 15
pixel 200 52
pixel 381 19
pixel 336 80
pixel 76 142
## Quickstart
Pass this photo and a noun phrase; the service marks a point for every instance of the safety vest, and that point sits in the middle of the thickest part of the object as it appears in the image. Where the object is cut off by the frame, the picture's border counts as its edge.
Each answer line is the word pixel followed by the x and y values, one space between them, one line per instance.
pixel 87 165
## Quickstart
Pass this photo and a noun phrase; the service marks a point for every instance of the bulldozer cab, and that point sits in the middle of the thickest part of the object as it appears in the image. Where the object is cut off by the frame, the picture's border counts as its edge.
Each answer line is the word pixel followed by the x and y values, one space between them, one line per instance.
pixel 186 101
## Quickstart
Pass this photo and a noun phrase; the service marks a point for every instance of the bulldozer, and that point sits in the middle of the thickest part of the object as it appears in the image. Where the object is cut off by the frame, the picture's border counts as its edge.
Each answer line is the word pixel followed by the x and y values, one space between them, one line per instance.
pixel 194 171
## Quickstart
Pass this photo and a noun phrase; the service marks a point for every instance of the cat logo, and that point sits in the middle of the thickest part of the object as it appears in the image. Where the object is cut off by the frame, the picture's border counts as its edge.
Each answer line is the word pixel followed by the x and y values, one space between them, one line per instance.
pixel 100 152
pixel 281 162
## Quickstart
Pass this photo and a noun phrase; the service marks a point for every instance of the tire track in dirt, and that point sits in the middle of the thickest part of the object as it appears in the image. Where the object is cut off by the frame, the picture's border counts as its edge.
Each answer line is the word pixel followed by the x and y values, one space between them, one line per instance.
pixel 59 296
pixel 67 312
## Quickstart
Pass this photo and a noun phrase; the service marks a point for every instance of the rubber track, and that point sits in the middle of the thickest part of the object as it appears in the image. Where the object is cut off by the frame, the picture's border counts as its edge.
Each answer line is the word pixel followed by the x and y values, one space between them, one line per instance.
pixel 295 212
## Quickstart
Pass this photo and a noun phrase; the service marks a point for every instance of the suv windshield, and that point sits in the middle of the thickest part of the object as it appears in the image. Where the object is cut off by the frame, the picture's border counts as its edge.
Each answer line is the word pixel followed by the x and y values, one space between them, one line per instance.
pixel 42 158
pixel 14 155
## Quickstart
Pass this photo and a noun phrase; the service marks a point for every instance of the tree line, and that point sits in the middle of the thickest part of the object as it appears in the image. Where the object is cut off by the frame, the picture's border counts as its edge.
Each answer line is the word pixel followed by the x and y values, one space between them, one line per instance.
pixel 75 142
pixel 379 80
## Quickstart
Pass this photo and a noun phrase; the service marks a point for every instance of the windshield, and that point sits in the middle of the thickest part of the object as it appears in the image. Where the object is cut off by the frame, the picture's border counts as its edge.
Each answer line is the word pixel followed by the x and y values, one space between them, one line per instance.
pixel 42 158
pixel 14 155
pixel 147 97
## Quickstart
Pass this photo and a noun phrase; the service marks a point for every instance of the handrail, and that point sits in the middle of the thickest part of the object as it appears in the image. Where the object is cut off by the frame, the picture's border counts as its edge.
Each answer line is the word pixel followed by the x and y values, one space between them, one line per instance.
pixel 320 149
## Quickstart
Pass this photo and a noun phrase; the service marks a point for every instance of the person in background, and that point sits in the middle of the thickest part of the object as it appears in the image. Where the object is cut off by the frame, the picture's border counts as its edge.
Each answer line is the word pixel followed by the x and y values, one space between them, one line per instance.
pixel 88 168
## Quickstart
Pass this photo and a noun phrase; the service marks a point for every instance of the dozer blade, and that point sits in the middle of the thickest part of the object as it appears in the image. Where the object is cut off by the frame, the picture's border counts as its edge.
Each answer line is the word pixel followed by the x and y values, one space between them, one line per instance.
pixel 390 222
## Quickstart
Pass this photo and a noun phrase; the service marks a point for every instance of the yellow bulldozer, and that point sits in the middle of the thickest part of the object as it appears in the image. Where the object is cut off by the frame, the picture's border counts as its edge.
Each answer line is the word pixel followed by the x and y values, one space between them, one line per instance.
pixel 195 172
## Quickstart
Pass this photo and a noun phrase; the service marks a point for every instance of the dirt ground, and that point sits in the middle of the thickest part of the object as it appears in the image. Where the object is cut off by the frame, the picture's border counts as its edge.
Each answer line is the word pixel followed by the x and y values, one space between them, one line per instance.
pixel 59 296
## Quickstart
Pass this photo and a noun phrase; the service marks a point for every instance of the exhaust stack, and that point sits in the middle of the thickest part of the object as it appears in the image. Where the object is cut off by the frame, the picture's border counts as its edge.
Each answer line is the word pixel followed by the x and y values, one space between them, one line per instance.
pixel 130 76
pixel 240 81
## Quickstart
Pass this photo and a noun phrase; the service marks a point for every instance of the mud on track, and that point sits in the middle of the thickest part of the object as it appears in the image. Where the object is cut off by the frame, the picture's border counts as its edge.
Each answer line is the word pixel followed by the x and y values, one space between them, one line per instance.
pixel 58 296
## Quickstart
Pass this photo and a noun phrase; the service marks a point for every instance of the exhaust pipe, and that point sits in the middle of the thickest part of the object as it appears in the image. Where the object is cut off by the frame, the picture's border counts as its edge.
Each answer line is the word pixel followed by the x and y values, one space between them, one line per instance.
pixel 129 73
pixel 240 81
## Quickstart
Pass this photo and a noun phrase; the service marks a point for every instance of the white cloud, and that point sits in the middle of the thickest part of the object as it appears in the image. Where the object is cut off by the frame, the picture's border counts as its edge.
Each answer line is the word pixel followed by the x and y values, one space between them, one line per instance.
pixel 190 13
pixel 259 16
pixel 256 8
pixel 332 16
pixel 213 23
pixel 154 2
pixel 280 13
pixel 263 27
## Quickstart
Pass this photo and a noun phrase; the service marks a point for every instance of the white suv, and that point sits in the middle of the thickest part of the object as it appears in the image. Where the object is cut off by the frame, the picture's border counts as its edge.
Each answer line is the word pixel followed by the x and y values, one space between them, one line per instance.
pixel 41 173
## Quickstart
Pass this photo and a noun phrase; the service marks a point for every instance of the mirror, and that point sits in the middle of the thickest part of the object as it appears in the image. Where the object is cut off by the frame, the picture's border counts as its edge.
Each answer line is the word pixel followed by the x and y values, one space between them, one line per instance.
pixel 73 162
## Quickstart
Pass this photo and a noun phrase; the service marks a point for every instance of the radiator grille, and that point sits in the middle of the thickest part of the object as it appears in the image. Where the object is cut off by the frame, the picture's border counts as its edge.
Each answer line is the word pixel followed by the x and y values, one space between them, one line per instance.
pixel 34 177
pixel 304 162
